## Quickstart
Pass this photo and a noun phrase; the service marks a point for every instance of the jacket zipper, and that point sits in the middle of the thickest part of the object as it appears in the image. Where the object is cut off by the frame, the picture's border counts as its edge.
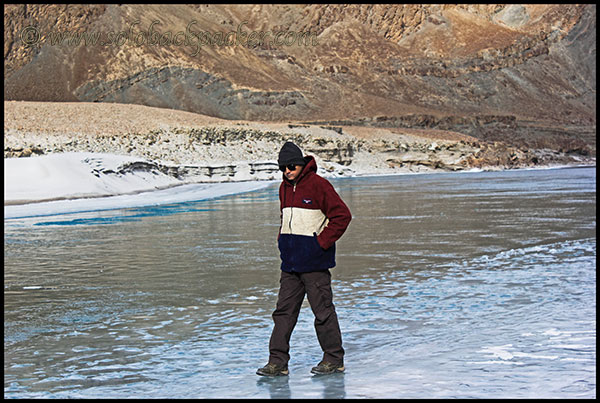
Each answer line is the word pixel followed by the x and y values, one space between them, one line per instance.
pixel 292 207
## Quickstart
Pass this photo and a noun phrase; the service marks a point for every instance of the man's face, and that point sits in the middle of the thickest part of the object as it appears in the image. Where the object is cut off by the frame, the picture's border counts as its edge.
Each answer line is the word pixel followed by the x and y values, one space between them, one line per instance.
pixel 293 175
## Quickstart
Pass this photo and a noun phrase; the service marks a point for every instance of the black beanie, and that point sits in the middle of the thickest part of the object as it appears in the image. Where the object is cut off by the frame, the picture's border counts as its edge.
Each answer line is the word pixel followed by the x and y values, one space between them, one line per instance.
pixel 290 154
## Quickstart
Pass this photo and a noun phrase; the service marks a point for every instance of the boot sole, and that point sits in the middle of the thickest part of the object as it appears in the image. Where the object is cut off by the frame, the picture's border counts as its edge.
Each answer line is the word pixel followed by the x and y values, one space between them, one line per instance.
pixel 282 373
pixel 335 371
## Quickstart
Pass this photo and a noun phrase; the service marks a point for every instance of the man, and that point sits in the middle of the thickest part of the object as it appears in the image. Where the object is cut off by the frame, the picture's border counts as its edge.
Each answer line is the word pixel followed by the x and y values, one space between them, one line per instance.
pixel 313 218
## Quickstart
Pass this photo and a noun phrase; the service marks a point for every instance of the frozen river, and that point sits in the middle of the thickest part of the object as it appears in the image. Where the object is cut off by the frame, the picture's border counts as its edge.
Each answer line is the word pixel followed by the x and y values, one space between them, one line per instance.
pixel 463 285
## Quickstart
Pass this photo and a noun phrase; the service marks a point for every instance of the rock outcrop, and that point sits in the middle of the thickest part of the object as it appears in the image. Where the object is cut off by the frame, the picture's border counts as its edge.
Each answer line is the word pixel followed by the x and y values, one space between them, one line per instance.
pixel 231 151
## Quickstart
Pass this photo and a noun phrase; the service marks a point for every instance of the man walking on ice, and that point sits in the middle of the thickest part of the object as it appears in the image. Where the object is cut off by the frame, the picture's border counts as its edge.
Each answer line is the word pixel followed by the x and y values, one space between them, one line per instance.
pixel 313 218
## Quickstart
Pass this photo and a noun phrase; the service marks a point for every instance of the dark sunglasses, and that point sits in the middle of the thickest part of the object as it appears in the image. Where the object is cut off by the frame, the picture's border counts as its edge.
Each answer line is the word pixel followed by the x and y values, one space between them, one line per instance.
pixel 291 167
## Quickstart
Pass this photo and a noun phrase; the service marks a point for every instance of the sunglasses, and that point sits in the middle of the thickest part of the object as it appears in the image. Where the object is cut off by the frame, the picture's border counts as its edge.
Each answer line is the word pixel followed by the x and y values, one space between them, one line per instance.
pixel 291 167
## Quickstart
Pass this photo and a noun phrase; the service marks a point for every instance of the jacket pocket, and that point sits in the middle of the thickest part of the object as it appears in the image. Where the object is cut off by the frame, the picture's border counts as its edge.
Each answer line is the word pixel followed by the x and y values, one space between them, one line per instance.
pixel 326 295
pixel 309 250
pixel 318 249
pixel 286 248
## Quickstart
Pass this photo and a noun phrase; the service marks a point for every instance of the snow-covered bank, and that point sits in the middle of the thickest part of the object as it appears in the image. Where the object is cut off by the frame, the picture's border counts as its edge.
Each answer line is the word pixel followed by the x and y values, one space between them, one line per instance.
pixel 74 175
pixel 77 182
pixel 82 181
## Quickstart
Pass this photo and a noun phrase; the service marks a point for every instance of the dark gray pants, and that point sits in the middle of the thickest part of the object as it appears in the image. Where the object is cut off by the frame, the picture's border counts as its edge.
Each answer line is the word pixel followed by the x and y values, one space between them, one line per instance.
pixel 317 286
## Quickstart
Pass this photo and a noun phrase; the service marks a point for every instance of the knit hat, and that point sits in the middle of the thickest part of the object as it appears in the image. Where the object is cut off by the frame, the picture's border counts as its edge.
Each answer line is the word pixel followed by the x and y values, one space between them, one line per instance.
pixel 290 154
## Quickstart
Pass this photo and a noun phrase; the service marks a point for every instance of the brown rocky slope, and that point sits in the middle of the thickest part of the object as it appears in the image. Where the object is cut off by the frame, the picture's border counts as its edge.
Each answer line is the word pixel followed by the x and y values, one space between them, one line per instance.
pixel 522 75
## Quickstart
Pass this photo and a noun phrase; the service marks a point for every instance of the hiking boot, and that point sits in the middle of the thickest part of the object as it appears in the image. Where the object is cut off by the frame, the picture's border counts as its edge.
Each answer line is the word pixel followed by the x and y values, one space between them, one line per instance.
pixel 272 370
pixel 325 368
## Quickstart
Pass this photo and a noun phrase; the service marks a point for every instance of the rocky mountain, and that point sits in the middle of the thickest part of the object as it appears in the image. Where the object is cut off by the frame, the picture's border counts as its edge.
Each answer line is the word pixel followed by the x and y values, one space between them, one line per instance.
pixel 524 75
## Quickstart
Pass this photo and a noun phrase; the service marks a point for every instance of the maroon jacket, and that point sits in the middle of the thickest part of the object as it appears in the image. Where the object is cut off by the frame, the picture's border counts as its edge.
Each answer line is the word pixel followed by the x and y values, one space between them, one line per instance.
pixel 313 218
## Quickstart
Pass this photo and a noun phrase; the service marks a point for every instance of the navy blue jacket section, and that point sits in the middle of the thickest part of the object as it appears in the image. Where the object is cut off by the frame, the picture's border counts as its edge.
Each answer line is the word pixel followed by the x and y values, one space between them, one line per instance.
pixel 302 254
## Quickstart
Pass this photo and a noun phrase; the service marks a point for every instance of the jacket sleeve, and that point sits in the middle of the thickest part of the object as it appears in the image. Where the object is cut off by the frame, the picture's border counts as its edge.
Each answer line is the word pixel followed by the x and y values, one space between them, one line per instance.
pixel 336 211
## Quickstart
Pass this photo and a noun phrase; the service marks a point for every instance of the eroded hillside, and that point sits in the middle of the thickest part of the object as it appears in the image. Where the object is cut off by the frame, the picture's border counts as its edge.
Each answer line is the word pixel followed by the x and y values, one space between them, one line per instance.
pixel 521 74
